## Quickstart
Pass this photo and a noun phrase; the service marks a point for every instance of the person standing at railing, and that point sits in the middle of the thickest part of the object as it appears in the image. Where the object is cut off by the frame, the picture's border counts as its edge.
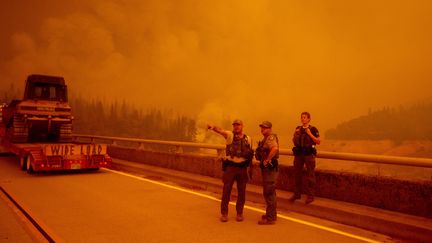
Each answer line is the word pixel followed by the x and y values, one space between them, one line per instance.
pixel 305 138
pixel 239 154
pixel 268 153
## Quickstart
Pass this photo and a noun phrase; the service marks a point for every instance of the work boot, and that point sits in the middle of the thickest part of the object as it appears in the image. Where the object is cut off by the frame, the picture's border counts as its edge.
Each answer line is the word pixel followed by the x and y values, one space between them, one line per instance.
pixel 294 197
pixel 266 221
pixel 239 217
pixel 224 218
pixel 264 216
pixel 309 200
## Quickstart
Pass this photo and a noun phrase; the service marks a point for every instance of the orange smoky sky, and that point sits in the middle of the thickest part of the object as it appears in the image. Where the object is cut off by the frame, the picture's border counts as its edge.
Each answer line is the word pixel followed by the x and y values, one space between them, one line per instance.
pixel 255 60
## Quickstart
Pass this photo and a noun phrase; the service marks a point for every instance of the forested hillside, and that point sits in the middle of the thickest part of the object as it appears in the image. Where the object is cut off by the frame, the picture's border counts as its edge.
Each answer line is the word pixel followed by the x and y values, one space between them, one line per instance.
pixel 118 118
pixel 388 123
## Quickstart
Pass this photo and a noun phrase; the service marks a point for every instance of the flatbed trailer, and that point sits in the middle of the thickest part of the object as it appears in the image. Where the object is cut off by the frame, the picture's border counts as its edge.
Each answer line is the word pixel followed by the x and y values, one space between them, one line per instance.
pixel 38 129
pixel 35 157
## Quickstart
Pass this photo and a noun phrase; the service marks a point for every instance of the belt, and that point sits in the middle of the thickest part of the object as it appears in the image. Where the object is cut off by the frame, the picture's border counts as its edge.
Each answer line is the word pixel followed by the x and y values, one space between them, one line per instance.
pixel 304 150
pixel 239 165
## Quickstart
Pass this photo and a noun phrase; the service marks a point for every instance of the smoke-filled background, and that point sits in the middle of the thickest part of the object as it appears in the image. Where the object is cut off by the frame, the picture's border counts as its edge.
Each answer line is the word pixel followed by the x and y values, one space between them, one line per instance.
pixel 218 60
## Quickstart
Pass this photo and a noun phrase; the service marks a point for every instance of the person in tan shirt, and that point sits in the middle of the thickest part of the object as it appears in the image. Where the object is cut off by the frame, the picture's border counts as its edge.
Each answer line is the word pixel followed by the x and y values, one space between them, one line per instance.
pixel 239 154
pixel 268 153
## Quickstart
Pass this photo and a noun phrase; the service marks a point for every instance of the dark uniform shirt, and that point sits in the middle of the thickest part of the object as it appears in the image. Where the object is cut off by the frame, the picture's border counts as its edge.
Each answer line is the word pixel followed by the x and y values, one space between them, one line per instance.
pixel 302 139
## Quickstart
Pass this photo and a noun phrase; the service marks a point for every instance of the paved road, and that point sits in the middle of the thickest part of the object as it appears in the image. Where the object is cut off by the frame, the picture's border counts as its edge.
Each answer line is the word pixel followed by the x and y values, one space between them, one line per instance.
pixel 11 228
pixel 110 207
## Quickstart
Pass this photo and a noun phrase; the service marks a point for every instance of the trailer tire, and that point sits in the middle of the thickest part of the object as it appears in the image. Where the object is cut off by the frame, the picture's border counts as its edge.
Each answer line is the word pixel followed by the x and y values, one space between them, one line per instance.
pixel 23 162
pixel 28 165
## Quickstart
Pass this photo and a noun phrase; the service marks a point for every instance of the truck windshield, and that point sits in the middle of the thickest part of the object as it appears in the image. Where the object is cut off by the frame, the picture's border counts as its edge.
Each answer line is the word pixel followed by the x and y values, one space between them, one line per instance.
pixel 48 92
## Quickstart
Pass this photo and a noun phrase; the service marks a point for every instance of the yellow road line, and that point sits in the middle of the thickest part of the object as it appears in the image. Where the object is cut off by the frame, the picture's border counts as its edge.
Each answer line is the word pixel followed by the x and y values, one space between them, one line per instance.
pixel 336 231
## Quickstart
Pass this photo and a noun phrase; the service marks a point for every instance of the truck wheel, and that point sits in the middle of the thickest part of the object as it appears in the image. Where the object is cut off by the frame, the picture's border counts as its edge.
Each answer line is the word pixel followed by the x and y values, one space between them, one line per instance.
pixel 29 166
pixel 23 162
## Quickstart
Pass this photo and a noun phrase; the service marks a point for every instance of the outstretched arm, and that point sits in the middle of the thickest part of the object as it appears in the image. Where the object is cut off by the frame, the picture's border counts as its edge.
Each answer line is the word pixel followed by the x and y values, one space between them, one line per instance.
pixel 218 130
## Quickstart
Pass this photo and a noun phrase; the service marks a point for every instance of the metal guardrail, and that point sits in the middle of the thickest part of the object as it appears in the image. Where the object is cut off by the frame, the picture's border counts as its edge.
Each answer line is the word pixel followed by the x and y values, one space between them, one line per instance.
pixel 367 158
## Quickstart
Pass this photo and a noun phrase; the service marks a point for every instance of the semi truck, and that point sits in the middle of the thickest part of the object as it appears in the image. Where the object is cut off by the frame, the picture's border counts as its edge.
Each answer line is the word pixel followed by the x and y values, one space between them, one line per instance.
pixel 38 129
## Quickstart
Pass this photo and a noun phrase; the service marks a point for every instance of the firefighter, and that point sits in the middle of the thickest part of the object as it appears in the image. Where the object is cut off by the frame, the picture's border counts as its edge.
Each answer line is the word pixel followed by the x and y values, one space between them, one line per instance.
pixel 239 154
pixel 267 154
pixel 305 139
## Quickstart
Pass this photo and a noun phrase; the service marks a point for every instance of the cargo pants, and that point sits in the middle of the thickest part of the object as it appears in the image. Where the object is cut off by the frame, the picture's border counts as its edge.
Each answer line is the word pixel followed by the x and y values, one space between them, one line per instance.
pixel 301 161
pixel 269 176
pixel 231 174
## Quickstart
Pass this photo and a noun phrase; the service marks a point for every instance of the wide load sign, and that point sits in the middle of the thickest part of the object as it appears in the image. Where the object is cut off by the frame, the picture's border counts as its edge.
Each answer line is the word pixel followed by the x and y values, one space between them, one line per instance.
pixel 75 149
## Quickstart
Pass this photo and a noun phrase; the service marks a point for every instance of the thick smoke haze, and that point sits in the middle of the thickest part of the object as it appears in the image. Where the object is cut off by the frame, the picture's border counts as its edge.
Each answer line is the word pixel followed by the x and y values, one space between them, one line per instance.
pixel 218 60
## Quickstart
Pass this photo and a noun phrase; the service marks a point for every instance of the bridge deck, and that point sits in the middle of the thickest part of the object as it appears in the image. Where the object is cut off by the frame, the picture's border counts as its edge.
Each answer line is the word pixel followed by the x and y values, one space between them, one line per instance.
pixel 107 206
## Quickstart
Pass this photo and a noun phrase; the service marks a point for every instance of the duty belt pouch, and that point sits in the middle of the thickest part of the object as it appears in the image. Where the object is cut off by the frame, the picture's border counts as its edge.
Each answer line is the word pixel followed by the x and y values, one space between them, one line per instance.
pixel 310 151
pixel 314 151
pixel 275 164
pixel 296 151
pixel 248 162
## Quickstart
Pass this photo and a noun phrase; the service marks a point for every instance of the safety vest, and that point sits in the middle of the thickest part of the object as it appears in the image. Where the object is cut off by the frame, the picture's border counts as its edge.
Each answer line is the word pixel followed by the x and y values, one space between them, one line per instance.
pixel 263 151
pixel 240 147
pixel 302 139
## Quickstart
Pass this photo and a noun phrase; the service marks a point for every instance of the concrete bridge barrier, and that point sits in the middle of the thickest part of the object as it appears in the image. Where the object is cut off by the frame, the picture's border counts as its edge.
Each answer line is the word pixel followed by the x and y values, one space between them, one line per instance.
pixel 409 197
